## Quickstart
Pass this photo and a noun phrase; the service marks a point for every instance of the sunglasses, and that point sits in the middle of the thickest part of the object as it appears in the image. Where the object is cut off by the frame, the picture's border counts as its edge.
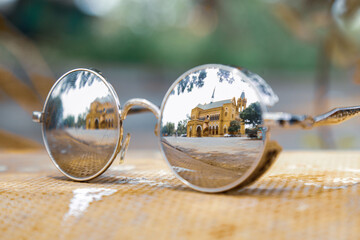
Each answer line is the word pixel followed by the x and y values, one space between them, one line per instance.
pixel 213 125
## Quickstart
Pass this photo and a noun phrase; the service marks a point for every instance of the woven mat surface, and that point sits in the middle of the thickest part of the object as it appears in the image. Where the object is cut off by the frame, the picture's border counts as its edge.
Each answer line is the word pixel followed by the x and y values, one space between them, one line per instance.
pixel 305 195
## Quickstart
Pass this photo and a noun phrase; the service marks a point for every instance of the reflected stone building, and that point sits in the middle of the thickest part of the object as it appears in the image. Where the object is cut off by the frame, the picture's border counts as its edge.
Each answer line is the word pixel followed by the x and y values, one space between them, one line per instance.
pixel 213 119
pixel 101 115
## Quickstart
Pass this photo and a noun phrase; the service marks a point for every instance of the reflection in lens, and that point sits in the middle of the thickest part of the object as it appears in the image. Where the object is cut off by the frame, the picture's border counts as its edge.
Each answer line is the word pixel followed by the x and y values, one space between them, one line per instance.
pixel 211 127
pixel 81 124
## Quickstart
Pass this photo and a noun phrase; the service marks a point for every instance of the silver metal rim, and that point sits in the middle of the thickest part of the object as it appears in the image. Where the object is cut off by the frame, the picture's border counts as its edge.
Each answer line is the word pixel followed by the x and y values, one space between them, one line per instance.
pixel 117 101
pixel 256 163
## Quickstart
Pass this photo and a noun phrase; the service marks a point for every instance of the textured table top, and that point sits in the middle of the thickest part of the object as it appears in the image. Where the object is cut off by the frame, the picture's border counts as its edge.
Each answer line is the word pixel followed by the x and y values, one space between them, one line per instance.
pixel 305 195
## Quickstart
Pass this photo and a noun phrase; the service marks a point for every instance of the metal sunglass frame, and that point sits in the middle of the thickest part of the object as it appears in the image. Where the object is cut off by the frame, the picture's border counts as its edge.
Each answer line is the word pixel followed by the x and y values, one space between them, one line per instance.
pixel 137 105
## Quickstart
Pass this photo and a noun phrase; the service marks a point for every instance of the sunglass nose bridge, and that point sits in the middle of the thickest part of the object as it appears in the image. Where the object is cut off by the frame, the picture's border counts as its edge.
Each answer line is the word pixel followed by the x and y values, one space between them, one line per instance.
pixel 139 105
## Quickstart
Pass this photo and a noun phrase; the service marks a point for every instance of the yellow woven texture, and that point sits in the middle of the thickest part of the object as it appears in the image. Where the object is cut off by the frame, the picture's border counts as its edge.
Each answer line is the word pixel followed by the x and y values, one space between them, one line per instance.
pixel 305 195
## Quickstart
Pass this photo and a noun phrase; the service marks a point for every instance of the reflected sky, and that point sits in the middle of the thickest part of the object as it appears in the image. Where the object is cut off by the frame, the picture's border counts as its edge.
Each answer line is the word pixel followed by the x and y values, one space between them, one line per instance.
pixel 179 106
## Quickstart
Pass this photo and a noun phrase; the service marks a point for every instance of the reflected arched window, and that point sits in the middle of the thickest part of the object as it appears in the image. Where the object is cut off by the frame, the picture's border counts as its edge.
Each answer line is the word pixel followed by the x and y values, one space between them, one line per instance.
pixel 198 131
pixel 224 130
pixel 217 130
pixel 225 114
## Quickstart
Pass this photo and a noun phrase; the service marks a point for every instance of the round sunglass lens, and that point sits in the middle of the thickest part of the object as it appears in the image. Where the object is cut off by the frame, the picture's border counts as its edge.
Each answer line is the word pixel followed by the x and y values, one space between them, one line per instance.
pixel 81 124
pixel 212 128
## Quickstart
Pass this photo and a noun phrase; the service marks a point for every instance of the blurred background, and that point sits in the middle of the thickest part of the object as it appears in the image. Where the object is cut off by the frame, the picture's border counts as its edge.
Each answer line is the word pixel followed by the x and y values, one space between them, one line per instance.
pixel 307 50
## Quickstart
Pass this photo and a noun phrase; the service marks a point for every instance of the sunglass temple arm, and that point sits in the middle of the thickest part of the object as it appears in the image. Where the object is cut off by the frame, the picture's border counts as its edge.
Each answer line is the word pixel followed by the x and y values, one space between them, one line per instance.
pixel 335 116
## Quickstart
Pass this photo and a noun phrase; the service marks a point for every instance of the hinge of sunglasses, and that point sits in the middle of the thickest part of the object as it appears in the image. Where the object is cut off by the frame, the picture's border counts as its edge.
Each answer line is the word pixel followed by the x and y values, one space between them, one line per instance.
pixel 280 119
pixel 333 117
pixel 123 149
pixel 37 117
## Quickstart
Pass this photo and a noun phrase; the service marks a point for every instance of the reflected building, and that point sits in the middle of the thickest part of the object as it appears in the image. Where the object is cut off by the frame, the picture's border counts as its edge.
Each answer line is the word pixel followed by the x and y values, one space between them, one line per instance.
pixel 101 115
pixel 213 119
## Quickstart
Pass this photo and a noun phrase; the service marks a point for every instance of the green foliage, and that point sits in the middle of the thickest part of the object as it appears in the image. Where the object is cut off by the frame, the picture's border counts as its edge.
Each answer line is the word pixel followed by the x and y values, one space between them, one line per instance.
pixel 252 132
pixel 81 120
pixel 153 40
pixel 69 121
pixel 252 114
pixel 181 127
pixel 188 83
pixel 168 129
pixel 234 126
pixel 55 112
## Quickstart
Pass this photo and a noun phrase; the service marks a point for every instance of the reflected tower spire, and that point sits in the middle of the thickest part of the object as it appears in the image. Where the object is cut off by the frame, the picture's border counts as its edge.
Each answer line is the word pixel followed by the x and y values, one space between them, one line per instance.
pixel 213 96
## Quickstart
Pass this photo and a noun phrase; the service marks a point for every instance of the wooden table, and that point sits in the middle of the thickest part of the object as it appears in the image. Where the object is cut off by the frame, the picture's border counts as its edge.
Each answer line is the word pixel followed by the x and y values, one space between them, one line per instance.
pixel 305 195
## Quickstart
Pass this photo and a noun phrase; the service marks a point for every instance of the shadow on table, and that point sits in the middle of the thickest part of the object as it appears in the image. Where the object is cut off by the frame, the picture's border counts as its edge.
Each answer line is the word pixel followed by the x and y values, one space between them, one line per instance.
pixel 299 186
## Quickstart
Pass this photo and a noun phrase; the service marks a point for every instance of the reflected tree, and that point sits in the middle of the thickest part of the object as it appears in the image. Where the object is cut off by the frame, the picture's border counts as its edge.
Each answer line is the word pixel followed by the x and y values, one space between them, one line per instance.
pixel 234 126
pixel 168 129
pixel 54 113
pixel 260 83
pixel 68 83
pixel 196 79
pixel 69 121
pixel 225 75
pixel 81 120
pixel 252 114
pixel 85 78
pixel 181 127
